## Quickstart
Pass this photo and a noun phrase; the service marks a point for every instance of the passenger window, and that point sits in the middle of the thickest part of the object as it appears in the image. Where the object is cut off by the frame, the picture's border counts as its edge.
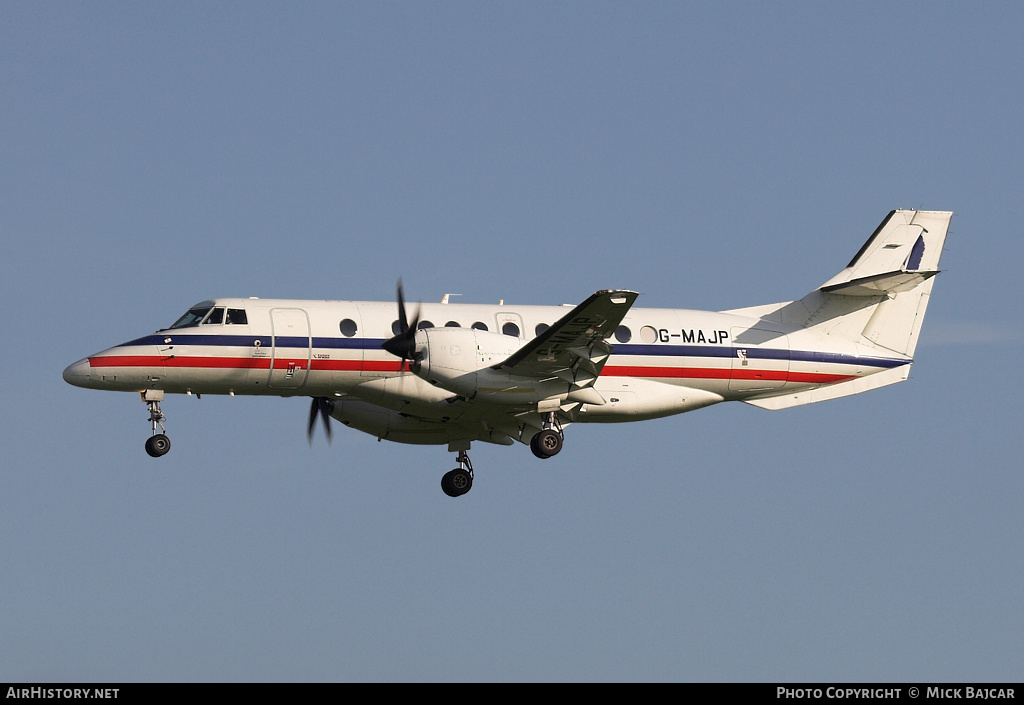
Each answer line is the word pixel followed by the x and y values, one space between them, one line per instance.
pixel 479 326
pixel 623 334
pixel 236 316
pixel 510 328
pixel 348 327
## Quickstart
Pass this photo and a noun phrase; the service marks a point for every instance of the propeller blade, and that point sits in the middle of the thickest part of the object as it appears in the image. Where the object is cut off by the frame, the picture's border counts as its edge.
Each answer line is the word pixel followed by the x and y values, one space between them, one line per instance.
pixel 403 344
pixel 399 346
pixel 325 416
pixel 313 411
pixel 403 323
pixel 321 406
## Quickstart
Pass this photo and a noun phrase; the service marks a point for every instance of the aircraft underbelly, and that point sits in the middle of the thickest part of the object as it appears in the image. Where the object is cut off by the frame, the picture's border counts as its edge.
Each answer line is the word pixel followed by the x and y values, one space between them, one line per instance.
pixel 638 399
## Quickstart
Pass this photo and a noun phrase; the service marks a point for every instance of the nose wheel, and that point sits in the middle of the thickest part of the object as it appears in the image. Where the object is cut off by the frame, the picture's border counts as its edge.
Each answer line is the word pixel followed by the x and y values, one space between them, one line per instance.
pixel 459 481
pixel 157 444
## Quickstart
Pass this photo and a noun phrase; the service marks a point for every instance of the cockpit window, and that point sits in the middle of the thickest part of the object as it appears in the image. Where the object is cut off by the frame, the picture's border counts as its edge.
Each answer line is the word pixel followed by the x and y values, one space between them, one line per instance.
pixel 216 316
pixel 193 317
pixel 206 314
pixel 236 316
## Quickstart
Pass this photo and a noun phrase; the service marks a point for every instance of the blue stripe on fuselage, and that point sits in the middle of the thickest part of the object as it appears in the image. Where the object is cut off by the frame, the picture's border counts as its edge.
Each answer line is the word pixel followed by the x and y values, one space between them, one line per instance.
pixel 720 351
pixel 757 353
pixel 247 340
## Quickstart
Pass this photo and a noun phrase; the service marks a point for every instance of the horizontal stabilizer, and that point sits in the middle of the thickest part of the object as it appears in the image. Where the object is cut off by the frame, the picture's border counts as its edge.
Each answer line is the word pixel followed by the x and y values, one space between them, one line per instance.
pixel 904 242
pixel 879 284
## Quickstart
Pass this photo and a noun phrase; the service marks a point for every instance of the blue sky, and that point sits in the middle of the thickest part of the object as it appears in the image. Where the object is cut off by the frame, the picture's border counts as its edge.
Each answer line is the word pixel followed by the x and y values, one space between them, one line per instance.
pixel 709 155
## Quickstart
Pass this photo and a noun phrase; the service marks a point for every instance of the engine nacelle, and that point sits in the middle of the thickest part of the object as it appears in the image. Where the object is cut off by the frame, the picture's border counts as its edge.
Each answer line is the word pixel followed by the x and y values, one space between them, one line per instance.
pixel 460 360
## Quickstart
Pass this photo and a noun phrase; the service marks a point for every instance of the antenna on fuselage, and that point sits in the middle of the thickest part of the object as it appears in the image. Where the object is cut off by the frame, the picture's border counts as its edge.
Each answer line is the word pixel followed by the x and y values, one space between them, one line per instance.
pixel 444 299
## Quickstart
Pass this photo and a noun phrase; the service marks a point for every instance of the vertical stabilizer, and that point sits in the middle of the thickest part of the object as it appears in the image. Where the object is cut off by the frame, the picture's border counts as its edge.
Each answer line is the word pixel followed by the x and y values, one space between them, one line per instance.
pixel 877 301
pixel 880 298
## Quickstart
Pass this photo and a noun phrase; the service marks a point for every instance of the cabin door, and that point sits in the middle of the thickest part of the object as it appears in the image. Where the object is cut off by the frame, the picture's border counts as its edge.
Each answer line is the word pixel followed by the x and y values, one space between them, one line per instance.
pixel 290 348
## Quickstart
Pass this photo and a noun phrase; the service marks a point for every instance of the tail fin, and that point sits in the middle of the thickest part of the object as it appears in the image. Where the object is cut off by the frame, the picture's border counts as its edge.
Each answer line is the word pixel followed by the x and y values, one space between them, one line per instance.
pixel 880 298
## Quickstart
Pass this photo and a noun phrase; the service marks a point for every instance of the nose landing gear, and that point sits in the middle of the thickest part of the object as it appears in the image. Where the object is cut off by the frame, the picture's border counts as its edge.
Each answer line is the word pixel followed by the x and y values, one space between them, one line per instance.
pixel 157 444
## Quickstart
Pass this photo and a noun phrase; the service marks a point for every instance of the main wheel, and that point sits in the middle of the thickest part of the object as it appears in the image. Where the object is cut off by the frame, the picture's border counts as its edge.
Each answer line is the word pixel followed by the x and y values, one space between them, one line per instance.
pixel 546 443
pixel 457 482
pixel 158 445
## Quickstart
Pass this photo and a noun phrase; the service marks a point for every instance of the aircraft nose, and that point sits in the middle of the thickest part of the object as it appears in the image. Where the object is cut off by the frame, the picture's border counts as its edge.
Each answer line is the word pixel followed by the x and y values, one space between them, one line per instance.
pixel 78 373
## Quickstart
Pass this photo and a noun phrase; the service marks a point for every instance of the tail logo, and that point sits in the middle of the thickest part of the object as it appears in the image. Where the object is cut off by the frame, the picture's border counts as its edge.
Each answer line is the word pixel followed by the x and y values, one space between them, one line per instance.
pixel 914 261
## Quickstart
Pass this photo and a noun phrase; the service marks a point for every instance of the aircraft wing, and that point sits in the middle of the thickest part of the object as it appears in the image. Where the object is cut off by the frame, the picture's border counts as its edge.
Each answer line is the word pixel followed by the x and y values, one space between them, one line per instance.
pixel 576 347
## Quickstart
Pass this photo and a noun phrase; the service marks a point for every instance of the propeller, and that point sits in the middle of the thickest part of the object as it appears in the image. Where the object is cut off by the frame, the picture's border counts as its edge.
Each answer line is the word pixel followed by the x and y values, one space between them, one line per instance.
pixel 321 407
pixel 403 345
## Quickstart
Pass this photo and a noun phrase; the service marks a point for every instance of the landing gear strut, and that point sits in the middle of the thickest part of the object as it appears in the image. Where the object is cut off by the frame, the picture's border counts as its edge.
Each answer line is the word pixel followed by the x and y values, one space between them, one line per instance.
pixel 548 440
pixel 459 481
pixel 158 443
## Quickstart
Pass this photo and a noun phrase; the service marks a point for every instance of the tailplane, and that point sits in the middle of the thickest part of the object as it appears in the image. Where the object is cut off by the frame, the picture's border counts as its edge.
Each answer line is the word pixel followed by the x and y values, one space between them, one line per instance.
pixel 880 298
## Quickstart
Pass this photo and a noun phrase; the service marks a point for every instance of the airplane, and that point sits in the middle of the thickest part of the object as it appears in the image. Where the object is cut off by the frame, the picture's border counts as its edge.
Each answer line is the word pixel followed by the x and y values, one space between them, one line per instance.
pixel 456 373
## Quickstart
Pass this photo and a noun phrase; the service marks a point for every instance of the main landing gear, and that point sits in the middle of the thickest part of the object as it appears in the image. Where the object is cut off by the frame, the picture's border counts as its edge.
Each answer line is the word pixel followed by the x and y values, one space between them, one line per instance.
pixel 459 481
pixel 548 440
pixel 545 444
pixel 158 443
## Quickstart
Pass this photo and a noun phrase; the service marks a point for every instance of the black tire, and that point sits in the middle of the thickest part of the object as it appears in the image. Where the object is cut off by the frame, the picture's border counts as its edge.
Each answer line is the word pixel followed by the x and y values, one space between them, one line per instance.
pixel 446 484
pixel 158 445
pixel 457 482
pixel 546 443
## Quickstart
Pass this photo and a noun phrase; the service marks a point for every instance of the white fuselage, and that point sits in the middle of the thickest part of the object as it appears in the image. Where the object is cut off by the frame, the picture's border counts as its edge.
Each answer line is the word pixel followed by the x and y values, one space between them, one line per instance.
pixel 664 361
pixel 460 373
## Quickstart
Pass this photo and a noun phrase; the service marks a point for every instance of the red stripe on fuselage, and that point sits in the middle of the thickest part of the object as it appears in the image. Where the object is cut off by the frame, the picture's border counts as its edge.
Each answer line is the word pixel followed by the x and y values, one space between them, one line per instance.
pixel 243 363
pixel 722 373
pixel 396 366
